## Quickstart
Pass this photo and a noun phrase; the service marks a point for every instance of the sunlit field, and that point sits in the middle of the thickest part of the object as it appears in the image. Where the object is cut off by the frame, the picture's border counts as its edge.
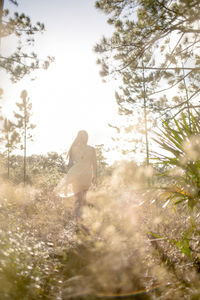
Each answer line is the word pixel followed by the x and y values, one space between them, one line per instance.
pixel 128 243
pixel 99 150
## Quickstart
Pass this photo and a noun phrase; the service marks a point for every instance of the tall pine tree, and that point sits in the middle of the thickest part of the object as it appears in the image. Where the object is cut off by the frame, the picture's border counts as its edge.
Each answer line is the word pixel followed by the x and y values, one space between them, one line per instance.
pixel 1 94
pixel 168 29
pixel 24 124
pixel 10 138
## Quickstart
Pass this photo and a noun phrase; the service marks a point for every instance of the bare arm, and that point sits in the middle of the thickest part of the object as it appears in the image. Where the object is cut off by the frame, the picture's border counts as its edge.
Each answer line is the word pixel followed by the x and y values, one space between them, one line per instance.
pixel 70 162
pixel 69 158
pixel 94 166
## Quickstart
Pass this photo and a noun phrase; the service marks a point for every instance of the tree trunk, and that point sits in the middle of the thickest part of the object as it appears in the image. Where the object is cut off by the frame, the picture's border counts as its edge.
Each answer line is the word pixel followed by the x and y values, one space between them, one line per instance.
pixel 1 12
pixel 145 121
pixel 187 97
pixel 145 126
pixel 8 163
pixel 25 145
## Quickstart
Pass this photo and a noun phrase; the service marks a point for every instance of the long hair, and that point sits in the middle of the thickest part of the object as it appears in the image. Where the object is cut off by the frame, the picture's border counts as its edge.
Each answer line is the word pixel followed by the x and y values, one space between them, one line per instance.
pixel 80 140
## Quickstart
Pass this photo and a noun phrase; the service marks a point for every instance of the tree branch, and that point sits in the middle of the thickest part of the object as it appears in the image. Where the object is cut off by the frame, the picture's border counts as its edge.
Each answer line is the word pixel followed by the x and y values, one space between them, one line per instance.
pixel 182 109
pixel 163 90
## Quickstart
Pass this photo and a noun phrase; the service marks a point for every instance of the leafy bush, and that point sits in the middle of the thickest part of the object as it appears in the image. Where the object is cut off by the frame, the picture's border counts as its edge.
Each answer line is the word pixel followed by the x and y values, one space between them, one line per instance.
pixel 32 225
pixel 181 142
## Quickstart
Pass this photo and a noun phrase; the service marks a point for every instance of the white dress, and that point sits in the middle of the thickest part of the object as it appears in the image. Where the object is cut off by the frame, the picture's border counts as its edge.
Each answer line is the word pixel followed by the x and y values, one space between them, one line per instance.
pixel 79 176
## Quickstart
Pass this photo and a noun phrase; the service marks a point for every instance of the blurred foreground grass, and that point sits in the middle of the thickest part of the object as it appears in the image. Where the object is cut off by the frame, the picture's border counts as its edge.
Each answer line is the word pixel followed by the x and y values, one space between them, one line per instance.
pixel 127 245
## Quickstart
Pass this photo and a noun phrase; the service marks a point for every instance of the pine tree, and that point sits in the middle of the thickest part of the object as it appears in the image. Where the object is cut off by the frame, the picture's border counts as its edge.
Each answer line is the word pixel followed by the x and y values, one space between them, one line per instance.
pixel 23 123
pixel 1 94
pixel 135 101
pixel 10 138
pixel 168 29
pixel 23 60
pixel 102 165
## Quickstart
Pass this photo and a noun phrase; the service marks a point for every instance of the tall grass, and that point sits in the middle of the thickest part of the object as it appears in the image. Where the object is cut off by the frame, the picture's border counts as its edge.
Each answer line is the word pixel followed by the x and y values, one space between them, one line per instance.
pixel 125 245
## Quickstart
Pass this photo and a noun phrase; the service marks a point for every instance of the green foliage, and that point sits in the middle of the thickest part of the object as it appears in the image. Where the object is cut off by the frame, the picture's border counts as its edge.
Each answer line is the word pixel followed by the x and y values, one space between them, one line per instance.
pixel 22 60
pixel 10 138
pixel 101 162
pixel 44 171
pixel 181 140
pixel 133 101
pixel 23 117
pixel 24 126
pixel 147 30
pixel 27 266
pixel 184 245
pixel 26 269
pixel 142 53
pixel 44 255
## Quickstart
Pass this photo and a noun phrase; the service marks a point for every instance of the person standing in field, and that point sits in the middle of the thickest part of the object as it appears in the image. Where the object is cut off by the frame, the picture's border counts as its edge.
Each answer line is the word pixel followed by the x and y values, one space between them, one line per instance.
pixel 82 171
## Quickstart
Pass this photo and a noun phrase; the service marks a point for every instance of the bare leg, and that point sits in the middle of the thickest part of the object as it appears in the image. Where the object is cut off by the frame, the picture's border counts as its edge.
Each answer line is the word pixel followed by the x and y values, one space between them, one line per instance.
pixel 77 206
pixel 84 197
pixel 80 202
pixel 83 227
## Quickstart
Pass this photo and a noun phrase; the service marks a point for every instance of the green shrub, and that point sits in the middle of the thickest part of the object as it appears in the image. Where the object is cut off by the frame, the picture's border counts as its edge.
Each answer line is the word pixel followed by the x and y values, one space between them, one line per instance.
pixel 181 156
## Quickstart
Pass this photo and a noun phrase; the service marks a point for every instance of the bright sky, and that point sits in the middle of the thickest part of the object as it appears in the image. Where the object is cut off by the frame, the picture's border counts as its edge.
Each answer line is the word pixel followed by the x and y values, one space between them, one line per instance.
pixel 70 95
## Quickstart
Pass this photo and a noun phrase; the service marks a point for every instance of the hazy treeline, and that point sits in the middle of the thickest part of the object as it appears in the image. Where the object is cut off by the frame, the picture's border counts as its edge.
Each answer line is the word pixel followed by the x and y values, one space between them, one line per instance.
pixel 44 171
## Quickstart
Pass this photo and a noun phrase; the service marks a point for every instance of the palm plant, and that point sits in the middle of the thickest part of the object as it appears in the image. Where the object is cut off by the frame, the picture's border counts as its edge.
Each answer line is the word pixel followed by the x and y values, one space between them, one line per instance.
pixel 181 144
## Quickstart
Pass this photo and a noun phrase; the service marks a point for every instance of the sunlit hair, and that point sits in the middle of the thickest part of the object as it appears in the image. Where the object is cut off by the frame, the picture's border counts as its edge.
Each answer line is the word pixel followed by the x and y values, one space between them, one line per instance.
pixel 80 140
